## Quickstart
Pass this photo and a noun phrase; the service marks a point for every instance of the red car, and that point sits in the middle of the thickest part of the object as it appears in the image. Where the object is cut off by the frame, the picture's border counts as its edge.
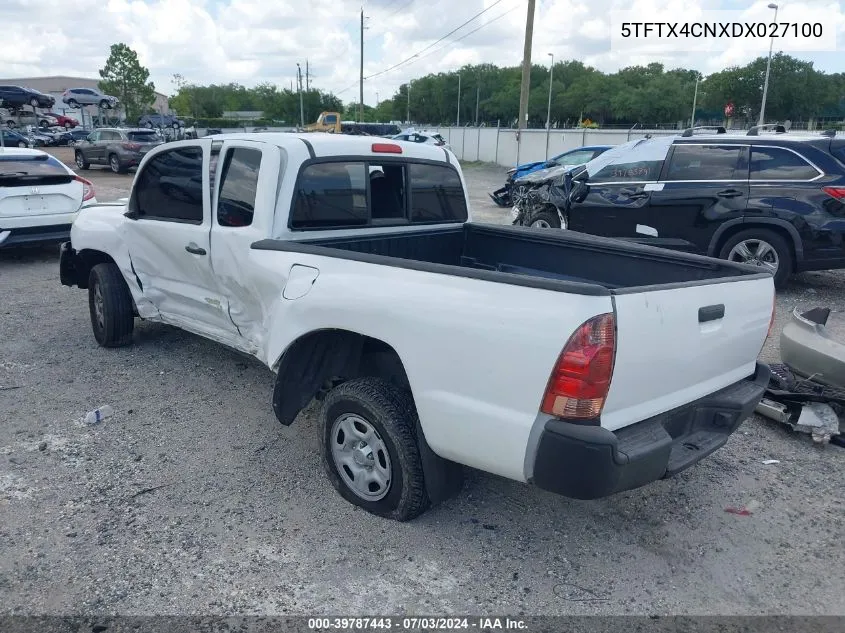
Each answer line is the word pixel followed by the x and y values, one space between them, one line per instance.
pixel 66 122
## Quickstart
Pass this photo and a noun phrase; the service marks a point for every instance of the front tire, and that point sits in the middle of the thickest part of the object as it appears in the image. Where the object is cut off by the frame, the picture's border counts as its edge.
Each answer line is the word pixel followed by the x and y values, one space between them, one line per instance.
pixel 545 218
pixel 764 248
pixel 111 307
pixel 81 162
pixel 73 103
pixel 105 105
pixel 21 144
pixel 369 448
pixel 33 102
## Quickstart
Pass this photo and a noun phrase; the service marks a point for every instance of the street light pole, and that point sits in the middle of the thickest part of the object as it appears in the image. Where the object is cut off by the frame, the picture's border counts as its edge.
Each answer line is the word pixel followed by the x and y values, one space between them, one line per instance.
pixel 549 108
pixel 408 114
pixel 772 5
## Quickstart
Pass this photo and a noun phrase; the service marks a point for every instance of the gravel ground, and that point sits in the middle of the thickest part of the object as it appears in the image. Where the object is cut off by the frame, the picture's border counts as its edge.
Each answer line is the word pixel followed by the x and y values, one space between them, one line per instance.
pixel 192 499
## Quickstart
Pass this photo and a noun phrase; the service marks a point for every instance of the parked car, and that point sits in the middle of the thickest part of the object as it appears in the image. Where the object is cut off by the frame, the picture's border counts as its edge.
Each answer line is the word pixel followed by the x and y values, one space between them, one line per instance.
pixel 19 96
pixel 12 138
pixel 776 201
pixel 430 138
pixel 349 265
pixel 40 197
pixel 151 121
pixel 79 135
pixel 26 117
pixel 75 97
pixel 119 148
pixel 64 121
pixel 571 158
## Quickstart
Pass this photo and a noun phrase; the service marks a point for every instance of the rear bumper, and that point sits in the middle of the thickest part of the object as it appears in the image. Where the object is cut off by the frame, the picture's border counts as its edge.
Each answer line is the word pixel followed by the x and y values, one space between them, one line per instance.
pixel 589 462
pixel 34 235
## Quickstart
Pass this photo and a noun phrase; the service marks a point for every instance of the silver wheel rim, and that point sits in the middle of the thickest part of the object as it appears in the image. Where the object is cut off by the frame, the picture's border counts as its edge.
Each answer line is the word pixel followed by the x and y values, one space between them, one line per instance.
pixel 361 457
pixel 757 253
pixel 99 308
pixel 541 224
pixel 115 166
pixel 79 161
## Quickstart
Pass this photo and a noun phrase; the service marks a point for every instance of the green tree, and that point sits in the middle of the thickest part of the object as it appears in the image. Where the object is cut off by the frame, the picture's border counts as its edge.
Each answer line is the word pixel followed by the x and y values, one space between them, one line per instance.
pixel 124 77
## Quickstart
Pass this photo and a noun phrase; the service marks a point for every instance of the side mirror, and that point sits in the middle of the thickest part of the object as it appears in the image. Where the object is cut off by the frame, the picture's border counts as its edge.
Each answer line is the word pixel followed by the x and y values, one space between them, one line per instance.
pixel 131 214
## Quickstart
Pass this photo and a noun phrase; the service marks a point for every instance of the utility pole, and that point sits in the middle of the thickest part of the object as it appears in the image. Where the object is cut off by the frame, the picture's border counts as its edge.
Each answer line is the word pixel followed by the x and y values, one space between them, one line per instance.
pixel 549 108
pixel 301 103
pixel 307 77
pixel 694 99
pixel 477 99
pixel 408 114
pixel 361 84
pixel 459 101
pixel 526 72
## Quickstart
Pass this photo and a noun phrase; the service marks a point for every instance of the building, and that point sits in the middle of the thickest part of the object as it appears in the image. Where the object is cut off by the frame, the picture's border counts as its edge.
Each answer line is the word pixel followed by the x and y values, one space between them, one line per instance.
pixel 56 85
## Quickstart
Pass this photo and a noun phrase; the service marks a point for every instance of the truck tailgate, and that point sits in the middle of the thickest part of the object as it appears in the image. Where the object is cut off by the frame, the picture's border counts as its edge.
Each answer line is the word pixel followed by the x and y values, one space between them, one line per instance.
pixel 676 345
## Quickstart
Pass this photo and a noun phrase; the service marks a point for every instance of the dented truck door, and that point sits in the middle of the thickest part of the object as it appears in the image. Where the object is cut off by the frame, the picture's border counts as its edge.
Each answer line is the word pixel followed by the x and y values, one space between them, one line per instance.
pixel 168 237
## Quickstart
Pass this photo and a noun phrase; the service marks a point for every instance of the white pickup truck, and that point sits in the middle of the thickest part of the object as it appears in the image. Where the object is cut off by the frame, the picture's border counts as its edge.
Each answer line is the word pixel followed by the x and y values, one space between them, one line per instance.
pixel 350 267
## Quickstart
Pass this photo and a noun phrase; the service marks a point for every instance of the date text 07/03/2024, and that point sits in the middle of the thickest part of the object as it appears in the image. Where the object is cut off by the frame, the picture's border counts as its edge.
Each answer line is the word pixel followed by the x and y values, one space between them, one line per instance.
pixel 417 623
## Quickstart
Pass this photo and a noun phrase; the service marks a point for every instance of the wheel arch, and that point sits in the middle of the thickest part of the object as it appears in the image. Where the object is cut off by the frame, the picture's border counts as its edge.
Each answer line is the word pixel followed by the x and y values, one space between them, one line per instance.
pixel 321 359
pixel 732 227
pixel 84 261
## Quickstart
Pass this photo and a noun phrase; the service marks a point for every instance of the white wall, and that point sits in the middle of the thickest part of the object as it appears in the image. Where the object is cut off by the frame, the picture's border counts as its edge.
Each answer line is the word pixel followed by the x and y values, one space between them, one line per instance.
pixel 499 145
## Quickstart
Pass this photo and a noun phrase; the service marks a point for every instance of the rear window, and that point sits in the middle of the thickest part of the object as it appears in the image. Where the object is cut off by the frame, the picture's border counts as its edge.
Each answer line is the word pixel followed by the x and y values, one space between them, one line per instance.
pixel 348 194
pixel 142 137
pixel 29 169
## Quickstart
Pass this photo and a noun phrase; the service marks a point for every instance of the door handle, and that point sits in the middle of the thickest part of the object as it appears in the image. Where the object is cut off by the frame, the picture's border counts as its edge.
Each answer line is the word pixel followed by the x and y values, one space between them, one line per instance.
pixel 711 313
pixel 194 249
pixel 636 196
pixel 729 193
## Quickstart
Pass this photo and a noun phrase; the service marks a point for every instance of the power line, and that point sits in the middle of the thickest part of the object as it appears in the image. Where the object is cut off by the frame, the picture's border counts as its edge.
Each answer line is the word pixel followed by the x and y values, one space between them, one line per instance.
pixel 417 54
pixel 417 57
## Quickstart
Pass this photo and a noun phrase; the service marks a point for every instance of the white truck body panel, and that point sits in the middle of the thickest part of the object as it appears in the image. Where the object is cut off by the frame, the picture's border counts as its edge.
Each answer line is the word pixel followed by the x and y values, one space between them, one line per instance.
pixel 478 354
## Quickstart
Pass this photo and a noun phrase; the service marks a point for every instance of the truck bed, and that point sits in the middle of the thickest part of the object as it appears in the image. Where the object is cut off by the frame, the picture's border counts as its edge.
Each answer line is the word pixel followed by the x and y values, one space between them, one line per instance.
pixel 556 260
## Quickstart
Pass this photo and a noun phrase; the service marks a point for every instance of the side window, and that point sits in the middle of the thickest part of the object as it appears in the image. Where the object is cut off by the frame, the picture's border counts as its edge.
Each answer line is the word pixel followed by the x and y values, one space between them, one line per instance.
pixel 94 136
pixel 576 158
pixel 238 183
pixel 331 119
pixel 773 163
pixel 331 195
pixel 705 162
pixel 436 194
pixel 169 187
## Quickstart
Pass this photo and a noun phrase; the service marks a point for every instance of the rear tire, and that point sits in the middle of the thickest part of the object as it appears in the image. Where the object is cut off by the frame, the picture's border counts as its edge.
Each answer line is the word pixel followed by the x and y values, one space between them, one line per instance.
pixel 21 144
pixel 73 103
pixel 545 218
pixel 114 164
pixel 110 305
pixel 33 102
pixel 368 429
pixel 776 253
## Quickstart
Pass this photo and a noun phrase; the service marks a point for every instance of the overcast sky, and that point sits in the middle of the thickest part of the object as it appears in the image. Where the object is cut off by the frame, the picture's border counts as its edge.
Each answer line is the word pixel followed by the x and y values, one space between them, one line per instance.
pixel 251 41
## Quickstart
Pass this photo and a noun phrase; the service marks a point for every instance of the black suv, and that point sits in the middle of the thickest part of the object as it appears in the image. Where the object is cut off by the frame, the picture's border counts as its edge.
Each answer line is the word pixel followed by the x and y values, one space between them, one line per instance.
pixel 17 96
pixel 772 200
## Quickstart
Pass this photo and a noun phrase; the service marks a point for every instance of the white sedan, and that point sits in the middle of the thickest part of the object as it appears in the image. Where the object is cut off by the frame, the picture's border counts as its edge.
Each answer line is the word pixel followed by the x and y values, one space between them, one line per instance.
pixel 40 197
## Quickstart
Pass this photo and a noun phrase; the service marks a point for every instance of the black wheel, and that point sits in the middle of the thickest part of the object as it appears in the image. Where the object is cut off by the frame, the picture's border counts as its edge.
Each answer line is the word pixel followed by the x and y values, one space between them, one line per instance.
pixel 10 124
pixel 148 125
pixel 81 162
pixel 764 248
pixel 73 103
pixel 369 448
pixel 111 307
pixel 68 126
pixel 33 102
pixel 105 105
pixel 114 164
pixel 545 218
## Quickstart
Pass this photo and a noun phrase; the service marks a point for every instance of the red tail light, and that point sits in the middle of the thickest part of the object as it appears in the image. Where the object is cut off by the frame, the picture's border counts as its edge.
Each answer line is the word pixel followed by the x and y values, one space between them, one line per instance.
pixel 132 147
pixel 835 192
pixel 580 380
pixel 87 188
pixel 386 148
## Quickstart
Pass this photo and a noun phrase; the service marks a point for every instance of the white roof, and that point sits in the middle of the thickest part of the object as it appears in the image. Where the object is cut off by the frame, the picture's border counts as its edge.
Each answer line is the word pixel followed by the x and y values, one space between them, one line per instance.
pixel 20 151
pixel 325 144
